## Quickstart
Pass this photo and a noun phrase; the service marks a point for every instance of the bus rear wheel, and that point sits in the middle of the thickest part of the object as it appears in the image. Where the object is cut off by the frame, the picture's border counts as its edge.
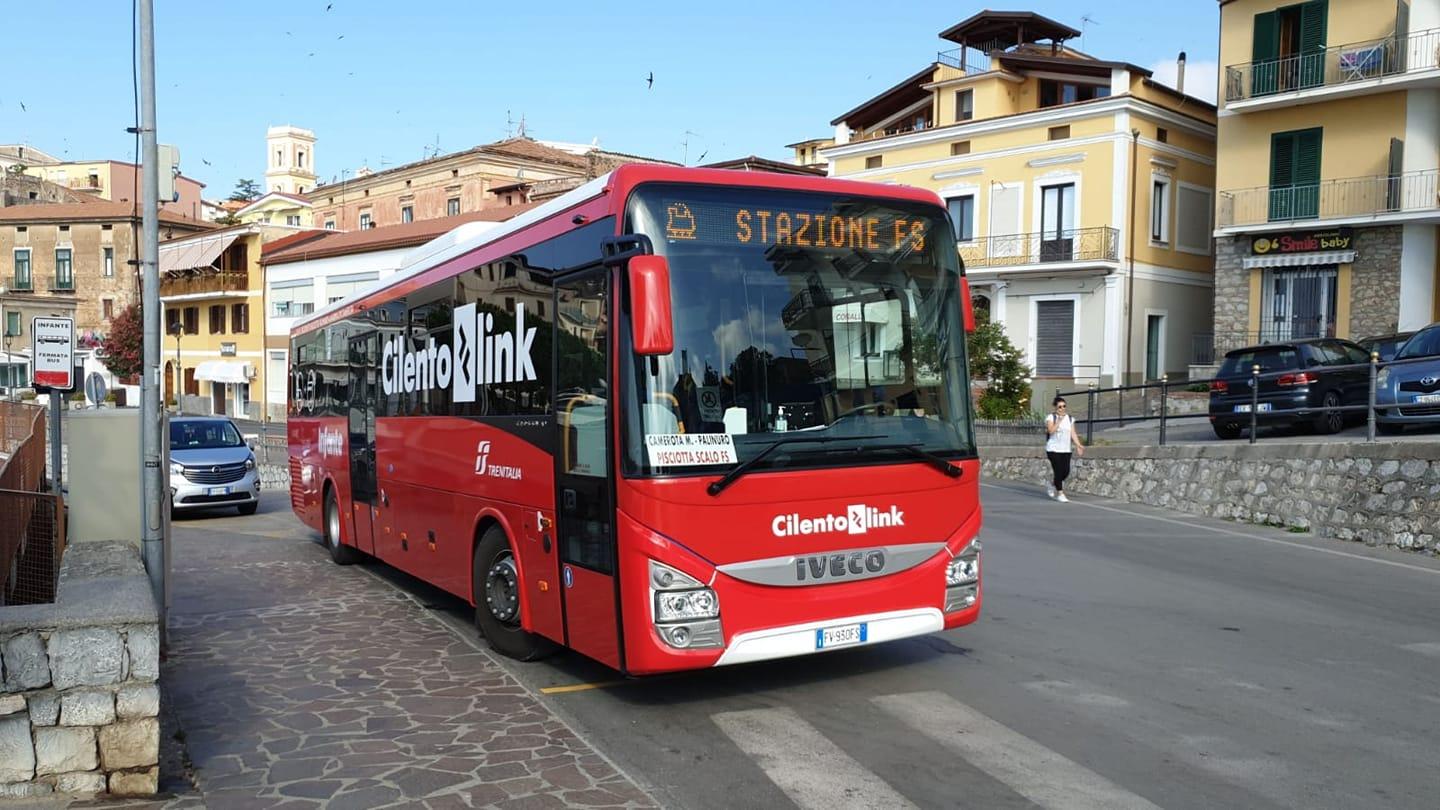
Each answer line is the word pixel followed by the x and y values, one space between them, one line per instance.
pixel 339 552
pixel 495 585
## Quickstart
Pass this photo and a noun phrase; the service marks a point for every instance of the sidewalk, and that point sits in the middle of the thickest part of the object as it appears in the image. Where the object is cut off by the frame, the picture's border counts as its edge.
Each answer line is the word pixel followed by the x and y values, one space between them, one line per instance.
pixel 299 683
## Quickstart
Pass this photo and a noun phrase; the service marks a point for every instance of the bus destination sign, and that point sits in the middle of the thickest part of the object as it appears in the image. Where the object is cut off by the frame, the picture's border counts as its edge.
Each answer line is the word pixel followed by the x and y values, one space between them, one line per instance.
pixel 729 224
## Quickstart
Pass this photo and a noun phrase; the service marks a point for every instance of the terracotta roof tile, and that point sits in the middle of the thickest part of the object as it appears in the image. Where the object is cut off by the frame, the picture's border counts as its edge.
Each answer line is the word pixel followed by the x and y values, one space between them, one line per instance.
pixel 340 243
pixel 96 210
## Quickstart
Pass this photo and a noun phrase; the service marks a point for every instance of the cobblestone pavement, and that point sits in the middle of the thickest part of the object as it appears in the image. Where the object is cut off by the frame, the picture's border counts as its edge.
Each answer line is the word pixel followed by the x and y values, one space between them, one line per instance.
pixel 298 683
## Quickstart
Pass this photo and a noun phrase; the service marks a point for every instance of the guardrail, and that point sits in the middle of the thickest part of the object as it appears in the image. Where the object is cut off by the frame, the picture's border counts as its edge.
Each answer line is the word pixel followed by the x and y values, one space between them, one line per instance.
pixel 1256 375
pixel 970 60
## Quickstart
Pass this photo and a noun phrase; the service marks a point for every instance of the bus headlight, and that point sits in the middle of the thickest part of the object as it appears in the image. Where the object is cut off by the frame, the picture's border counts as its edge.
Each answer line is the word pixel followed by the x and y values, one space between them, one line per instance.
pixel 687 614
pixel 962 579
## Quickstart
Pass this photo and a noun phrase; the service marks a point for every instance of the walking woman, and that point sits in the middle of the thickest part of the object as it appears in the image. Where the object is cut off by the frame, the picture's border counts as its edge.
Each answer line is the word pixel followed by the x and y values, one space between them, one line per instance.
pixel 1060 439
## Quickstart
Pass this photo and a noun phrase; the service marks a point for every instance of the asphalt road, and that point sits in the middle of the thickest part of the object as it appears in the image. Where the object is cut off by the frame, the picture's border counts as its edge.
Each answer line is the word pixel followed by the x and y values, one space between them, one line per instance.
pixel 1126 658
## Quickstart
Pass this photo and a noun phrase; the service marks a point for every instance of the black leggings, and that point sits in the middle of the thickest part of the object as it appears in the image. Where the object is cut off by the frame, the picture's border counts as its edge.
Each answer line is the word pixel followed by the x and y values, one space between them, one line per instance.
pixel 1060 463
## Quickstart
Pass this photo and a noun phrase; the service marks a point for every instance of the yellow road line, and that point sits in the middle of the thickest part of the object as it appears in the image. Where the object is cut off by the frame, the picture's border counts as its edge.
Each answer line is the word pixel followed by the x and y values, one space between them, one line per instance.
pixel 578 687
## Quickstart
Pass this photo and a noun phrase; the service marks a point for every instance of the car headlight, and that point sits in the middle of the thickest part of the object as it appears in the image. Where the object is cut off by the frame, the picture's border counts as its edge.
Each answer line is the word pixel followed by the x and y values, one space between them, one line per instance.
pixel 250 463
pixel 176 468
pixel 1382 377
pixel 964 569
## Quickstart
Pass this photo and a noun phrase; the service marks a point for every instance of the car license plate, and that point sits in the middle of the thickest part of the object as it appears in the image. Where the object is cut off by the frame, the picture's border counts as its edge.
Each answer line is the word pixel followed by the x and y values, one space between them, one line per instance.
pixel 218 491
pixel 1264 406
pixel 1427 398
pixel 845 634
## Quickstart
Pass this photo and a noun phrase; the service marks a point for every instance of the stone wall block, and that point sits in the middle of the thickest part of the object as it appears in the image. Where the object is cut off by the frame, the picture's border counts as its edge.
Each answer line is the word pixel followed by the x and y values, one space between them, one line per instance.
pixel 25 664
pixel 143 647
pixel 11 704
pixel 24 790
pixel 87 707
pixel 137 700
pixel 80 784
pixel 59 750
pixel 17 753
pixel 135 783
pixel 44 708
pixel 90 656
pixel 130 744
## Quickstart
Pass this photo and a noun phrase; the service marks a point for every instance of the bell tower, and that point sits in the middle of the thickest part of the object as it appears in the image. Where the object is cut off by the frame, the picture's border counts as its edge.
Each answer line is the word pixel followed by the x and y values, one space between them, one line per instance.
pixel 289 160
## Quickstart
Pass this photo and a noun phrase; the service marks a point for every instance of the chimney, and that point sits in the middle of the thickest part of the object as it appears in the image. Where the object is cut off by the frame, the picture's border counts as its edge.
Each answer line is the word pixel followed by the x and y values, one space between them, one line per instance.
pixel 1180 73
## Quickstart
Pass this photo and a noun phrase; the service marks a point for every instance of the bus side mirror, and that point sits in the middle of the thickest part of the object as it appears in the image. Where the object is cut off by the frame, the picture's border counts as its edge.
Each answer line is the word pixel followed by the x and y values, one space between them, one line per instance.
pixel 967 305
pixel 650 321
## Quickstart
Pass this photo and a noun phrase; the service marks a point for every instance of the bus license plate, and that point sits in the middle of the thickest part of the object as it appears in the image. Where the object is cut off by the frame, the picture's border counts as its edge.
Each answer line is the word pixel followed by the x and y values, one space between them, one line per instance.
pixel 1264 406
pixel 218 491
pixel 845 634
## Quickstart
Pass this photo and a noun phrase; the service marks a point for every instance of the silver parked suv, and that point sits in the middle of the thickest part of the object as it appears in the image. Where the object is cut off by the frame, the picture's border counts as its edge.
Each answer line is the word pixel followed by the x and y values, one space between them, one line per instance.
pixel 211 466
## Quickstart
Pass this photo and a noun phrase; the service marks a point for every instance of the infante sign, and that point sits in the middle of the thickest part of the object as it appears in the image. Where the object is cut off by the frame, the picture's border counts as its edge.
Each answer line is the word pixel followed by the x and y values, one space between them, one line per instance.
pixel 1302 242
pixel 477 356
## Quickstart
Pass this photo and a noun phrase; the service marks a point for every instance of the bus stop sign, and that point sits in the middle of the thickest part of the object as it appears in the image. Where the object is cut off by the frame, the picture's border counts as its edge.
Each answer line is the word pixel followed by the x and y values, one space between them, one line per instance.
pixel 54 352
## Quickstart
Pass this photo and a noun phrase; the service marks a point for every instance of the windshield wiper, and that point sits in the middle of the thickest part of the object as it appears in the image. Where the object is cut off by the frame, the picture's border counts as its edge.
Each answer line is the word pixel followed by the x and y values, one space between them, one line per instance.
pixel 718 486
pixel 921 453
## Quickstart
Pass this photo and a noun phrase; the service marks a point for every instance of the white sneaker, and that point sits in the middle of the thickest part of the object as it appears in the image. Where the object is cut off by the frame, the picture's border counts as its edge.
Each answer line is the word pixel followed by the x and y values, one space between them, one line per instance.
pixel 1050 490
pixel 1061 498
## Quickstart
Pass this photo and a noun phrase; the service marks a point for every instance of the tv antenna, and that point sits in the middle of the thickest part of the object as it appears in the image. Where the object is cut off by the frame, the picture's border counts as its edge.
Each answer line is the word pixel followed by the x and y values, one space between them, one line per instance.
pixel 1085 20
pixel 686 144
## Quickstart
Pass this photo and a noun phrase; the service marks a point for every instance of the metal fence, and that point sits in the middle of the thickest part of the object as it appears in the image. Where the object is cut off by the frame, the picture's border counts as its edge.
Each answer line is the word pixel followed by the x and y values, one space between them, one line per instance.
pixel 1165 388
pixel 1333 66
pixel 1331 199
pixel 32 519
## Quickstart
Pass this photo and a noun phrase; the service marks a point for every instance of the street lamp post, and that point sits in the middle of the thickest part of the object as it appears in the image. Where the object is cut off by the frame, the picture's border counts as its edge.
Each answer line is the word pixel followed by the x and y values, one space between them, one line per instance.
pixel 176 329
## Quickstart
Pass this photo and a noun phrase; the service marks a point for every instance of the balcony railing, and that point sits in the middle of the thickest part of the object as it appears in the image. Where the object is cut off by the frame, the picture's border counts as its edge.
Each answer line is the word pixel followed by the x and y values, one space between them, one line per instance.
pixel 970 60
pixel 1334 66
pixel 22 283
pixel 1332 199
pixel 1010 250
pixel 204 283
pixel 64 283
pixel 81 183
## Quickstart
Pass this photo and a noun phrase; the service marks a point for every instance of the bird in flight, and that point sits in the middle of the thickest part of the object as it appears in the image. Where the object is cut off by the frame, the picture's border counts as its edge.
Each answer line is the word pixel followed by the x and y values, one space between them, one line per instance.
pixel 342 36
pixel 650 80
pixel 702 156
pixel 328 5
pixel 206 162
pixel 22 106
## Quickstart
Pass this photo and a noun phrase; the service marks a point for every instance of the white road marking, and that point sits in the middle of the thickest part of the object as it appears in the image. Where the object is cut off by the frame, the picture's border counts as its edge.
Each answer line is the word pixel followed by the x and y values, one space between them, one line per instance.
pixel 801 761
pixel 1246 535
pixel 1030 769
pixel 1430 648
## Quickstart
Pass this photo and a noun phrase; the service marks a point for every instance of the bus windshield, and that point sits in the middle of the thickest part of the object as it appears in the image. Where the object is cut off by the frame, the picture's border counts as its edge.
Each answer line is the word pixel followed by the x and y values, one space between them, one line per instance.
pixel 798 315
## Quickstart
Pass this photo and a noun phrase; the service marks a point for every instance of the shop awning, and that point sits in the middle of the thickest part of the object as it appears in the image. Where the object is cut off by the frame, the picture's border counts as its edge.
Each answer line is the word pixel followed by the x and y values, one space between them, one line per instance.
pixel 224 371
pixel 1301 259
pixel 196 252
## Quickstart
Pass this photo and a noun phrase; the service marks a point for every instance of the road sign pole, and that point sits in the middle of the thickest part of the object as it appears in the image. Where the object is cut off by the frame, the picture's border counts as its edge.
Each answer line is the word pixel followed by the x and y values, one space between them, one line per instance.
pixel 57 408
pixel 152 484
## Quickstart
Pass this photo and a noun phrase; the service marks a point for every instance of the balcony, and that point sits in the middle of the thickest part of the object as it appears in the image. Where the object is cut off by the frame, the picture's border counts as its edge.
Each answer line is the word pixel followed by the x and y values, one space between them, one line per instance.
pixel 204 284
pixel 62 283
pixel 970 60
pixel 1365 198
pixel 85 184
pixel 1352 69
pixel 21 283
pixel 1015 250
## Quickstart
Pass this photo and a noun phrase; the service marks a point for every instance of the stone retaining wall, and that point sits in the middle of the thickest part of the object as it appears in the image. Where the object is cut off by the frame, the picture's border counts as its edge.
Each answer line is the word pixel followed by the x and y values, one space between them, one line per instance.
pixel 79 707
pixel 274 477
pixel 1377 494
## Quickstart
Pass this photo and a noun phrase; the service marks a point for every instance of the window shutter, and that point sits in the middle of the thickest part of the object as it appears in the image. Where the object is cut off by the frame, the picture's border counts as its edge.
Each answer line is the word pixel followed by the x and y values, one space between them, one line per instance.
pixel 1312 42
pixel 1054 338
pixel 1282 159
pixel 1264 52
pixel 1307 173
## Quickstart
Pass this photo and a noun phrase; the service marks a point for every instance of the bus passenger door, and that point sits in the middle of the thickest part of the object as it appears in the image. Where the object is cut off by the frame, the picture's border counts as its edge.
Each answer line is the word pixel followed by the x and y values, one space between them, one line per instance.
pixel 364 393
pixel 585 506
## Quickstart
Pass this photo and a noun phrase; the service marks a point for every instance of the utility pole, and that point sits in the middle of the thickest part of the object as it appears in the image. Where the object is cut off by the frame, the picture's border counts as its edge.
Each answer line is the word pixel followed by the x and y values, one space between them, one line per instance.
pixel 152 483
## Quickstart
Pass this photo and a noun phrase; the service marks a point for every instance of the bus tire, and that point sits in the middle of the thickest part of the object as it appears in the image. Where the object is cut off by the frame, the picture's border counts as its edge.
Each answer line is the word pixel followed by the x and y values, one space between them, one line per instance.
pixel 339 552
pixel 495 585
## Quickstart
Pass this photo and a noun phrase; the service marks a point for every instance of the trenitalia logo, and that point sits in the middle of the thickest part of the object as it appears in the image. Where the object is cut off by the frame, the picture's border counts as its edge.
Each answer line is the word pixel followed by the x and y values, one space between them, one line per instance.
pixel 475 357
pixel 858 519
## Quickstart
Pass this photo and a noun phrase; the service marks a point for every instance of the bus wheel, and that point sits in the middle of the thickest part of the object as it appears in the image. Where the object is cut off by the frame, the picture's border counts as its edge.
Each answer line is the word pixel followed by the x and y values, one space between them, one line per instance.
pixel 339 552
pixel 495 582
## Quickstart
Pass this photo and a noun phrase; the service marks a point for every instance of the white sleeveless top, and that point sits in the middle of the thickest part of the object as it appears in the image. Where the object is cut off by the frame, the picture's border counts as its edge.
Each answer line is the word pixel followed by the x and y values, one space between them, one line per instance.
pixel 1059 441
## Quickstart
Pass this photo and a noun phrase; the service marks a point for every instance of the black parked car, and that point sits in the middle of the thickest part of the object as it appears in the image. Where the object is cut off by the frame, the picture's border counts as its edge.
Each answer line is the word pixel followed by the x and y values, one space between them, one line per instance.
pixel 1300 374
pixel 1386 345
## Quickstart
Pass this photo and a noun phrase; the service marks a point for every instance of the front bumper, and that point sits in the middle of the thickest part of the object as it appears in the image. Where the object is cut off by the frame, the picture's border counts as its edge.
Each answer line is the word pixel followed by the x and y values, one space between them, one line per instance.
pixel 187 495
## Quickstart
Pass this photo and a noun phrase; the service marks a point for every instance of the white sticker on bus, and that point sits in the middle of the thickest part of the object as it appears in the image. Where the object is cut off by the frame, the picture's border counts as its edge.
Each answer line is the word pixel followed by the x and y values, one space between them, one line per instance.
pixel 689 449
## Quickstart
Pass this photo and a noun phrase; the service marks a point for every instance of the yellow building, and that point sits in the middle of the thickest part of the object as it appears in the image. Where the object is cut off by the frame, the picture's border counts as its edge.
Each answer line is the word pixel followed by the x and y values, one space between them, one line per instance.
pixel 116 181
pixel 1081 191
pixel 1329 173
pixel 279 208
pixel 212 289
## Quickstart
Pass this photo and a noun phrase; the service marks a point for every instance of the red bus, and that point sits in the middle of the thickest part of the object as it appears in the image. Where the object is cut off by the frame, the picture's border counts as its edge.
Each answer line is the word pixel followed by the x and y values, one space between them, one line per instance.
pixel 675 418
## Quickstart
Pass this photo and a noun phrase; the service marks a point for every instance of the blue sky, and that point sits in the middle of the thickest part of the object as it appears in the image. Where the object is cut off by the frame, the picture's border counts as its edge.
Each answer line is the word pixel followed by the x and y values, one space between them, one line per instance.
pixel 379 81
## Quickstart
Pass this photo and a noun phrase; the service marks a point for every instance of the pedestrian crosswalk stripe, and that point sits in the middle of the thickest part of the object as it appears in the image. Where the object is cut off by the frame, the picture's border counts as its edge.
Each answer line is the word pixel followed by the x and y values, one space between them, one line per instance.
pixel 801 761
pixel 1030 769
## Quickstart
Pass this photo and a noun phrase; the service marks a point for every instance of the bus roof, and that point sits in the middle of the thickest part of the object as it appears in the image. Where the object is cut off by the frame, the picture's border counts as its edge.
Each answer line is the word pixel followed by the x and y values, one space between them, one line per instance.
pixel 617 184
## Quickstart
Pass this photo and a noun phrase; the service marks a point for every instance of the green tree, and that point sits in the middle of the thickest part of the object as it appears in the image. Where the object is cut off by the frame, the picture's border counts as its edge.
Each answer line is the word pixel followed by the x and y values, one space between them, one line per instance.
pixel 125 345
pixel 994 358
pixel 245 190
